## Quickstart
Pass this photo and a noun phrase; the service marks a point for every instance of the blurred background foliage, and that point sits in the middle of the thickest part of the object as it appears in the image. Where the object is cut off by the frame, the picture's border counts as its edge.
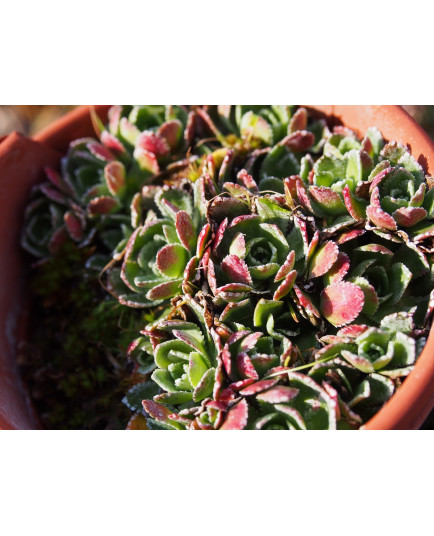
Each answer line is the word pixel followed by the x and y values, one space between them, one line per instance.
pixel 29 119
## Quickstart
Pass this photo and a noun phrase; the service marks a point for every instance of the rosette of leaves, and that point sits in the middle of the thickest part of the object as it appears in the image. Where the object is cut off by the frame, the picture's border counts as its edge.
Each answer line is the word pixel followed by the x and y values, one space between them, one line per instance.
pixel 86 200
pixel 334 186
pixel 46 229
pixel 399 197
pixel 365 364
pixel 299 403
pixel 274 138
pixel 163 254
pixel 185 364
pixel 358 395
pixel 388 349
pixel 292 155
pixel 296 403
pixel 97 191
pixel 251 255
pixel 146 136
pixel 257 125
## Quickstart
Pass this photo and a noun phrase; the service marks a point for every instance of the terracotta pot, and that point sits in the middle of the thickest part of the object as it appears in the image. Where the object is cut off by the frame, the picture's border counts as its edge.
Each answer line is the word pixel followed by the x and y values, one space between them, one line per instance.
pixel 21 165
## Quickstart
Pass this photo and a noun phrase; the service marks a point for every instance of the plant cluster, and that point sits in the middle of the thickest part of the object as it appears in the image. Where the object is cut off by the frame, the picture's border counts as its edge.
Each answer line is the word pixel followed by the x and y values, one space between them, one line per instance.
pixel 285 266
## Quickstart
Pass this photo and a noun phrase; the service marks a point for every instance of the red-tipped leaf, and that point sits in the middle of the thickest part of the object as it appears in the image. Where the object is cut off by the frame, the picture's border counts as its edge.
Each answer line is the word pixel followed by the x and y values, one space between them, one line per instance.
pixel 342 303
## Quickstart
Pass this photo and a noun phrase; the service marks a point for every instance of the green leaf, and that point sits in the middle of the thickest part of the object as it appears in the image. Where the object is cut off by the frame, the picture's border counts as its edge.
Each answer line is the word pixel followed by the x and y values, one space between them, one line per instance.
pixel 404 351
pixel 173 197
pixel 205 386
pixel 196 369
pixel 371 299
pixel 256 127
pixel 413 258
pixel 263 310
pixel 377 141
pixel 361 363
pixel 313 403
pixel 329 170
pixel 270 211
pixel 400 277
pixel 172 352
pixel 280 163
pixel 175 398
pixel 354 169
pixel 382 389
pixel 172 260
pixel 165 380
pixel 428 203
pixel 143 391
pixel 296 243
pixel 398 322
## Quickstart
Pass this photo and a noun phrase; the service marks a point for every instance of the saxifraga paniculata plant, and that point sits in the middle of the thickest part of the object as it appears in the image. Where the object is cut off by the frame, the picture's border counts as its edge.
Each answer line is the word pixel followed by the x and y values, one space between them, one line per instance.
pixel 286 268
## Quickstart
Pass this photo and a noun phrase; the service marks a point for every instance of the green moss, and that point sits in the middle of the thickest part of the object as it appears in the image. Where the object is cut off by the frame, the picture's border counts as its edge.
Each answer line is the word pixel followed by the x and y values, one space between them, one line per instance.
pixel 74 360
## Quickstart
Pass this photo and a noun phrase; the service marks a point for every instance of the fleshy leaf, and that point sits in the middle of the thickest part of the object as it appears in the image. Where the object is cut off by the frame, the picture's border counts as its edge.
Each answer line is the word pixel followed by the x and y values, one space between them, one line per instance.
pixel 196 368
pixel 352 331
pixel 245 367
pixel 279 163
pixel 359 362
pixel 185 230
pixel 205 386
pixel 286 268
pixel 398 322
pixel 247 181
pixel 371 299
pixel 256 127
pixel 323 259
pixel 328 200
pixel 342 303
pixel 278 395
pixel 286 286
pixel 263 310
pixel 258 387
pixel 409 216
pixel 114 174
pixel 355 206
pixel 102 205
pixel 238 246
pixel 400 277
pixel 165 290
pixel 338 271
pixel 153 143
pixel 299 120
pixel 133 399
pixel 381 219
pixel 147 161
pixel 237 417
pixel 171 132
pixel 236 270
pixel 171 260
pixel 306 302
pixel 111 142
pixel 299 141
pixel 350 235
pixel 157 411
pixel 74 226
pixel 179 397
pixel 203 239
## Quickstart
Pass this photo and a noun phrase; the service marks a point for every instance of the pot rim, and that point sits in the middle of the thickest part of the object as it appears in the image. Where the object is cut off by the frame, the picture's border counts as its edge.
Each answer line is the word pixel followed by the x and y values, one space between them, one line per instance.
pixel 411 404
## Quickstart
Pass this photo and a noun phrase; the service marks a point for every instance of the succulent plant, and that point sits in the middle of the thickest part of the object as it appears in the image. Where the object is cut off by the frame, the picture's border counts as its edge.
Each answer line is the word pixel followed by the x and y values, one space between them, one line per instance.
pixel 286 268
pixel 97 191
pixel 398 192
